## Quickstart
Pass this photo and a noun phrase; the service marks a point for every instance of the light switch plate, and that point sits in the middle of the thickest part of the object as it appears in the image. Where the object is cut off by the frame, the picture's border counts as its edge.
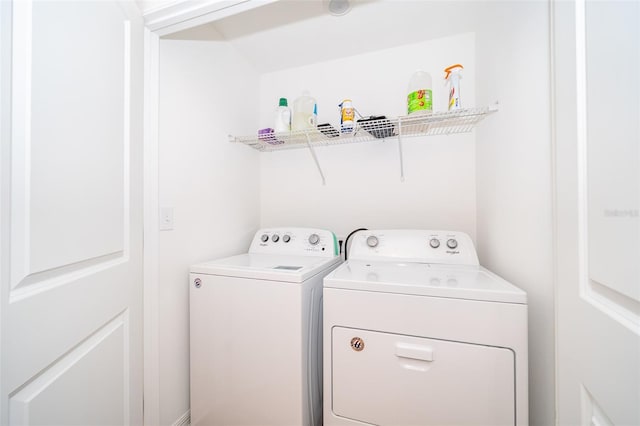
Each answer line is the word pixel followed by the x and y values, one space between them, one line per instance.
pixel 166 218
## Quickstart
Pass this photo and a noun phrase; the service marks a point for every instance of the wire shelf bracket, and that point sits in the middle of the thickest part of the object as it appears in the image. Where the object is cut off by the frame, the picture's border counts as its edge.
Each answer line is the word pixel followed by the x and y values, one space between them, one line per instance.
pixel 400 149
pixel 315 159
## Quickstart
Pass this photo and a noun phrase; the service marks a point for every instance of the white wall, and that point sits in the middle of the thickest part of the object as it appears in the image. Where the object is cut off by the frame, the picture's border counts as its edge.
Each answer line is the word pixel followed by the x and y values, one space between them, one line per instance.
pixel 363 186
pixel 211 184
pixel 514 198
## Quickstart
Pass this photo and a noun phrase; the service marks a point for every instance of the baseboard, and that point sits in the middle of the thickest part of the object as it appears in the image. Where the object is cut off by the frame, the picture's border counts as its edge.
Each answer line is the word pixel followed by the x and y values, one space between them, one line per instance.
pixel 184 420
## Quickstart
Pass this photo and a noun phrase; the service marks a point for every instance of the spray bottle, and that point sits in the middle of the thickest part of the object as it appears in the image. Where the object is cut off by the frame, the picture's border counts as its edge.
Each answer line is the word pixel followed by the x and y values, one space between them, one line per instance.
pixel 453 76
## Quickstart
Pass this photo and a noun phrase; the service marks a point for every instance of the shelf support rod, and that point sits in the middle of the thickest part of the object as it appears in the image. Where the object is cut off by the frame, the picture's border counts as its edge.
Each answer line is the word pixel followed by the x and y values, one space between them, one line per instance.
pixel 315 159
pixel 400 149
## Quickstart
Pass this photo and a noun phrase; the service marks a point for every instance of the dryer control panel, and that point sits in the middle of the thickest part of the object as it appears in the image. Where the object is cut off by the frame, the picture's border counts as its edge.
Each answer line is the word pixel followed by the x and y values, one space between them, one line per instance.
pixel 295 241
pixel 409 245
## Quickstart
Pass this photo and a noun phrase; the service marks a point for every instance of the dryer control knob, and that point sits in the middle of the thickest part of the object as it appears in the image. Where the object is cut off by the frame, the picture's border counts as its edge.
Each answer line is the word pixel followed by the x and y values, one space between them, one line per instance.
pixel 434 243
pixel 451 243
pixel 314 239
pixel 286 238
pixel 275 238
pixel 264 238
pixel 372 241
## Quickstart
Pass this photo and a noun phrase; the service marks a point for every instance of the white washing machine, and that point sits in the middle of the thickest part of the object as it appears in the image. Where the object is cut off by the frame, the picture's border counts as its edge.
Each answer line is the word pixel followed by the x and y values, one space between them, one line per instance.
pixel 256 331
pixel 417 333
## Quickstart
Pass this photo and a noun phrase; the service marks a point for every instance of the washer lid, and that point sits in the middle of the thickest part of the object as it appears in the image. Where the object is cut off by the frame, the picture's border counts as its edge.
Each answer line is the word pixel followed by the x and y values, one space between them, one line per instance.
pixel 295 269
pixel 423 279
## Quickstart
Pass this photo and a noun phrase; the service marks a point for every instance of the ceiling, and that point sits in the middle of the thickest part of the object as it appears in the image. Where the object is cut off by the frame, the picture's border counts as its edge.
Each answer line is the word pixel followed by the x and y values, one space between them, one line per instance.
pixel 291 33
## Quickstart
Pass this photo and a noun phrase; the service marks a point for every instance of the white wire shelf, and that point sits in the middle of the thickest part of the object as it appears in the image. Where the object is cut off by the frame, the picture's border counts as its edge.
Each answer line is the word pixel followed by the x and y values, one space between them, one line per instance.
pixel 438 123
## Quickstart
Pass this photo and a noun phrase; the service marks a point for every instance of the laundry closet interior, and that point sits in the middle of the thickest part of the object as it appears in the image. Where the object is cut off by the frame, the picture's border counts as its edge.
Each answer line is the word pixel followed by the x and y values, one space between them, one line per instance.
pixel 223 79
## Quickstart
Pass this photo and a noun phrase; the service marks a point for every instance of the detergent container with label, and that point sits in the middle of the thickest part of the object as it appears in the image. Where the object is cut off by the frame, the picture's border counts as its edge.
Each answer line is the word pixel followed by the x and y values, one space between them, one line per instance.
pixel 283 117
pixel 305 112
pixel 347 116
pixel 420 97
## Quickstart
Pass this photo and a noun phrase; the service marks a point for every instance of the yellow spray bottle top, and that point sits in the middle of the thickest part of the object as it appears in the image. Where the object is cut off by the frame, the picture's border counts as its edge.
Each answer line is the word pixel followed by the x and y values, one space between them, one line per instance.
pixel 453 76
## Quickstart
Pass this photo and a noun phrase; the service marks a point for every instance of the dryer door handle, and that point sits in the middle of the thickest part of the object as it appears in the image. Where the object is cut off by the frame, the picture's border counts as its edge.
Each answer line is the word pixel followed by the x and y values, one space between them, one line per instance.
pixel 422 353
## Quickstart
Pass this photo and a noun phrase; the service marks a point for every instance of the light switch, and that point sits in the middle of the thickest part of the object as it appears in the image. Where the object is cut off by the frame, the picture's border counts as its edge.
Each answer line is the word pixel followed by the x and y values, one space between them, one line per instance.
pixel 166 218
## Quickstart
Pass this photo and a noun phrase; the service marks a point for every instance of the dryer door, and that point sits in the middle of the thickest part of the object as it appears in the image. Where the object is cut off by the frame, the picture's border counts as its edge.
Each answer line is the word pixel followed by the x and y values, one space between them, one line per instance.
pixel 392 379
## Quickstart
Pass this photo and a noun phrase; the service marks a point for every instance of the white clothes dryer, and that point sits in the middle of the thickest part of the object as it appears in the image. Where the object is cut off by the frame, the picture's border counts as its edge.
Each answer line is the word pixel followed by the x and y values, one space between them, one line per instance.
pixel 417 333
pixel 256 331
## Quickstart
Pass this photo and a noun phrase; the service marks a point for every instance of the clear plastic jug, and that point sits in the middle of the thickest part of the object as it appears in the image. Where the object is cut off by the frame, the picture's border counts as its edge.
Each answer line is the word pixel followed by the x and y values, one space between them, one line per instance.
pixel 304 112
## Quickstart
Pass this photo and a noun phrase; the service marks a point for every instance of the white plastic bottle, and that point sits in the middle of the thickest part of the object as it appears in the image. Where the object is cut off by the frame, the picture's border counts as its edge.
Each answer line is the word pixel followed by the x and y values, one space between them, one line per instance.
pixel 305 112
pixel 283 117
pixel 347 116
pixel 420 94
pixel 453 76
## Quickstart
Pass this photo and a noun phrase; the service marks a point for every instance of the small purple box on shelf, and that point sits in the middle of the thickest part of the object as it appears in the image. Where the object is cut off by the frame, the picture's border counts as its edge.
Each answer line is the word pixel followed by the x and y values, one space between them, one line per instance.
pixel 268 136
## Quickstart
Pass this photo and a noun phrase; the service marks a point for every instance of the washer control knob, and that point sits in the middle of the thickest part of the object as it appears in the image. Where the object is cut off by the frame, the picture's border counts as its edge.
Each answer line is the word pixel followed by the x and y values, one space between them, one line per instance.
pixel 372 241
pixel 434 243
pixel 275 238
pixel 264 238
pixel 314 239
pixel 452 243
pixel 286 238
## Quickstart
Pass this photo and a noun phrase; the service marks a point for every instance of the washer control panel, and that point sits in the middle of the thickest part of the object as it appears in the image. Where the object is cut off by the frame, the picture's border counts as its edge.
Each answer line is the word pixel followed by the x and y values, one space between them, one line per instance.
pixel 408 245
pixel 295 241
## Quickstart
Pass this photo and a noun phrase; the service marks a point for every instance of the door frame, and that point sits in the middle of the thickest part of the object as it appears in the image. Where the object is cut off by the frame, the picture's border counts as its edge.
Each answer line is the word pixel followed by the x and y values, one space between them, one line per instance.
pixel 162 21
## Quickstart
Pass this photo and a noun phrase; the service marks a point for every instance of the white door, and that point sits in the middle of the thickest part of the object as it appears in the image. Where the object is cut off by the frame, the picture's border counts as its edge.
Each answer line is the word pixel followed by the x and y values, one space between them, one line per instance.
pixel 597 99
pixel 71 216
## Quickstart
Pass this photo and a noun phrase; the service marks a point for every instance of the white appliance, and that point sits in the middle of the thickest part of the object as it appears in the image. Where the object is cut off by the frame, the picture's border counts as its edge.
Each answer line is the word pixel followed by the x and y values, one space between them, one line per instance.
pixel 256 331
pixel 417 333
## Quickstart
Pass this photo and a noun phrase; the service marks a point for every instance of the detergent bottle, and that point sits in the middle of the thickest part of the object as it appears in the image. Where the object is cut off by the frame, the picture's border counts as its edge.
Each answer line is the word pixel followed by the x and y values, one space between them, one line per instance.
pixel 305 112
pixel 347 116
pixel 420 97
pixel 283 117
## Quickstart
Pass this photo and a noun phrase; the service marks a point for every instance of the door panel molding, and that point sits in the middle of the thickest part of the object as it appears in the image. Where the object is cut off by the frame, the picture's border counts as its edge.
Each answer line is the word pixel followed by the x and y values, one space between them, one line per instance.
pixel 21 54
pixel 36 283
pixel 115 332
pixel 592 413
pixel 25 280
pixel 617 306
